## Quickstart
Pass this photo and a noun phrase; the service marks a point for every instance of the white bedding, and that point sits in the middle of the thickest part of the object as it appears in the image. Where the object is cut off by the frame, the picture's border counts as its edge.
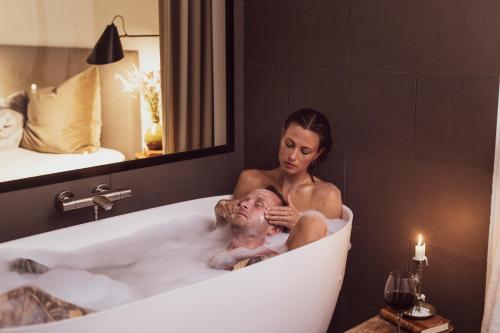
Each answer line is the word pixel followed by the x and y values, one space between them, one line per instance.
pixel 16 163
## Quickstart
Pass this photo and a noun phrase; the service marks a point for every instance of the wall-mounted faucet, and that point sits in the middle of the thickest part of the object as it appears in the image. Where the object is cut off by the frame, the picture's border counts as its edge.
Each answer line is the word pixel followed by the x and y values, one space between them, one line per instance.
pixel 103 202
pixel 102 197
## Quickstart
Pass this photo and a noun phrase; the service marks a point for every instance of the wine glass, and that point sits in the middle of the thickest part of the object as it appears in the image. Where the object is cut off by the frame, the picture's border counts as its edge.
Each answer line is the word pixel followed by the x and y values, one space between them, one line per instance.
pixel 400 293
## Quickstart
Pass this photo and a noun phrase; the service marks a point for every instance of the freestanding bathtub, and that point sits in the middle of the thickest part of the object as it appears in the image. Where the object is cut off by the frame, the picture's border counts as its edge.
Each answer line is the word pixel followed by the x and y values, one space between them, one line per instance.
pixel 293 292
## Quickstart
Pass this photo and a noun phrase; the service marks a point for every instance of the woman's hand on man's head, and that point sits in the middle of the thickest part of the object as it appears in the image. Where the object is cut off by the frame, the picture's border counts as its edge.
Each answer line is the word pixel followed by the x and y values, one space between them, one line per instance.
pixel 286 216
pixel 224 210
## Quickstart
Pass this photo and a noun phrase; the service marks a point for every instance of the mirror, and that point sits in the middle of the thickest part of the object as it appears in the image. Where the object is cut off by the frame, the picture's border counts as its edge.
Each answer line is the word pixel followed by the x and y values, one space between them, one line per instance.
pixel 61 118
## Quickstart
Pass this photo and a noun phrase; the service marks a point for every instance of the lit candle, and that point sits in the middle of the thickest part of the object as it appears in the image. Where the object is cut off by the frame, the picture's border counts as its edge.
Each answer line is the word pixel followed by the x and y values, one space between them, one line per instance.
pixel 420 249
pixel 33 87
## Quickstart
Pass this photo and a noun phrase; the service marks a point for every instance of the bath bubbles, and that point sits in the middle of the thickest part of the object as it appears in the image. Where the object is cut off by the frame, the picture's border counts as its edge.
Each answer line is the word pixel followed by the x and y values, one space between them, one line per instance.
pixel 152 261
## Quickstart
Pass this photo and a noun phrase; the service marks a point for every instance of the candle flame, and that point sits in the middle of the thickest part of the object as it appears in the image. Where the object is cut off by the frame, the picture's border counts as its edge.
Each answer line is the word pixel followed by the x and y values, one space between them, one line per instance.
pixel 419 239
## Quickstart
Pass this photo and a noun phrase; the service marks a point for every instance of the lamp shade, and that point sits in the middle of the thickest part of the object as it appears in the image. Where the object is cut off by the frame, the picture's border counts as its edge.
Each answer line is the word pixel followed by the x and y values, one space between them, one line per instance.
pixel 108 48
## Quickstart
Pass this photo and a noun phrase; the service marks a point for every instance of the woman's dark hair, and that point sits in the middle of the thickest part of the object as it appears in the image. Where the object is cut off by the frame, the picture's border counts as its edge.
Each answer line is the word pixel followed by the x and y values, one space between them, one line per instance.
pixel 316 122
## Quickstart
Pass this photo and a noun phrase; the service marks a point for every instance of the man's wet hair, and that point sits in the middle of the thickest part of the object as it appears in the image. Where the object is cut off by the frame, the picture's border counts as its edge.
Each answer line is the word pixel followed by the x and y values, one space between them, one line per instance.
pixel 275 191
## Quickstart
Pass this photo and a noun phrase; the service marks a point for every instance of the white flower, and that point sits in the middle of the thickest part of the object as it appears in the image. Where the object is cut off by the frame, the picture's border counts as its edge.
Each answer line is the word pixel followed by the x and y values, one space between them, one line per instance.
pixel 143 83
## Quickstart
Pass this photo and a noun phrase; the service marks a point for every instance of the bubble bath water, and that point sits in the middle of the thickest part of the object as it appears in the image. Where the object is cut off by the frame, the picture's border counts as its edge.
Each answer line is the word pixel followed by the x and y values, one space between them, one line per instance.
pixel 152 261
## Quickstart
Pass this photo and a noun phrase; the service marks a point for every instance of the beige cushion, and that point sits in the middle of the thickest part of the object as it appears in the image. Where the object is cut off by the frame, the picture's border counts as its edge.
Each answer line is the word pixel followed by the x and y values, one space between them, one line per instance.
pixel 65 119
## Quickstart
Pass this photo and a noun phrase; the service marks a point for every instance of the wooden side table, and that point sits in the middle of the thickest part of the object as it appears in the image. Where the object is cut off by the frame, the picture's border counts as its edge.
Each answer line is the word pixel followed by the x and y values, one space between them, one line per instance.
pixel 148 153
pixel 379 325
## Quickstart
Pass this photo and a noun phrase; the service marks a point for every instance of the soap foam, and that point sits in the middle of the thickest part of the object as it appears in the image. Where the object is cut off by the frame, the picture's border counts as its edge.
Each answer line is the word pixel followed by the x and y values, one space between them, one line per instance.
pixel 151 261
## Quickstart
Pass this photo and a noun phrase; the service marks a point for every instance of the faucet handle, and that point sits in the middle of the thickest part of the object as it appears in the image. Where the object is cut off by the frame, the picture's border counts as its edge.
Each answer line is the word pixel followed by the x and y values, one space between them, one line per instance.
pixel 63 198
pixel 101 188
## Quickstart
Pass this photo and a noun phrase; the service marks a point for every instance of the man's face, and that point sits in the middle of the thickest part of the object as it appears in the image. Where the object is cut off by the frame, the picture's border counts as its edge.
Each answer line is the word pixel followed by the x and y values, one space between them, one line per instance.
pixel 250 211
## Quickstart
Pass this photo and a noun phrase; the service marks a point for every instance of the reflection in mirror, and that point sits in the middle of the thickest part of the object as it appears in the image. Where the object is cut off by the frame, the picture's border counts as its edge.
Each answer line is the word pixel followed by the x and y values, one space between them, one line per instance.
pixel 58 113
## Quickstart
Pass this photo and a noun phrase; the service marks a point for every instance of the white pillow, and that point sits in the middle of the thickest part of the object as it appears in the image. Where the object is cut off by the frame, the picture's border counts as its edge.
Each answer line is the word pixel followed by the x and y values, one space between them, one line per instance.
pixel 17 101
pixel 11 128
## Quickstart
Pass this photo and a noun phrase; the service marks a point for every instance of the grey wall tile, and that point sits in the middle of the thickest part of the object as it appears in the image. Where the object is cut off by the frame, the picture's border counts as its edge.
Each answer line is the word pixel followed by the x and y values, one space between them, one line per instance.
pixel 452 283
pixel 354 313
pixel 297 32
pixel 266 98
pixel 458 36
pixel 239 104
pixel 449 205
pixel 239 28
pixel 456 120
pixel 371 111
pixel 32 211
pixel 381 112
pixel 261 151
pixel 370 259
pixel 383 35
pixel 425 36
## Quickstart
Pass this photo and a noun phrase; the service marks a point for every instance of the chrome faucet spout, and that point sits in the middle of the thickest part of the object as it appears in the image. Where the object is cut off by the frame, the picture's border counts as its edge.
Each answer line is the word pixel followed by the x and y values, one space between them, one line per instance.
pixel 103 202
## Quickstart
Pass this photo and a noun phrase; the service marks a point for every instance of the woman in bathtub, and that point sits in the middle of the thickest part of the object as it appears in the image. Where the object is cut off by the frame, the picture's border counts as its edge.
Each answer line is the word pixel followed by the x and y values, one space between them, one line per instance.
pixel 305 143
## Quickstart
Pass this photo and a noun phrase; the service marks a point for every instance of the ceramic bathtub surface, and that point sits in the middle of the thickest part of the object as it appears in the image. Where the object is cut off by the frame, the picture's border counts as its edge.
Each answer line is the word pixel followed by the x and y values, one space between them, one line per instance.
pixel 293 292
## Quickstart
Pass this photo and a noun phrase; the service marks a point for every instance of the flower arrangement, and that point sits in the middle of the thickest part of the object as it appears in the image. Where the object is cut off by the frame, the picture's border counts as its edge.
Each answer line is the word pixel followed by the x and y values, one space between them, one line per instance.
pixel 146 84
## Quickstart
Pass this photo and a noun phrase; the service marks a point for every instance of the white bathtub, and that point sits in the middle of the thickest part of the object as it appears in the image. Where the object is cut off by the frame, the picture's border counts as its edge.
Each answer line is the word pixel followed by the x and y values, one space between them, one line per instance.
pixel 293 292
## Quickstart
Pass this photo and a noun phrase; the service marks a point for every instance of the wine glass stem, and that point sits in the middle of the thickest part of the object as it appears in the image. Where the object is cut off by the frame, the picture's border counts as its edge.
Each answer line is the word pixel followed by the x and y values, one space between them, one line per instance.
pixel 399 321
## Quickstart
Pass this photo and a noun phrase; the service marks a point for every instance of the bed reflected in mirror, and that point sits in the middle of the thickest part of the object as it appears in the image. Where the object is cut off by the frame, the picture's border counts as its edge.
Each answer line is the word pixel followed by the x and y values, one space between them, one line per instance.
pixel 59 113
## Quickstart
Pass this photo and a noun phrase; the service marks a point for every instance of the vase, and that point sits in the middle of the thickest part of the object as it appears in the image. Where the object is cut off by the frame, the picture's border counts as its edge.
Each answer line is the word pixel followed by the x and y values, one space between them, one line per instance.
pixel 153 137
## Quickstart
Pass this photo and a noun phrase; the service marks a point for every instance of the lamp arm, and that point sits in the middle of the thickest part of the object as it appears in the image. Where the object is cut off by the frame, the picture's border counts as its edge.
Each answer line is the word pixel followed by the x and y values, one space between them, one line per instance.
pixel 123 24
pixel 125 34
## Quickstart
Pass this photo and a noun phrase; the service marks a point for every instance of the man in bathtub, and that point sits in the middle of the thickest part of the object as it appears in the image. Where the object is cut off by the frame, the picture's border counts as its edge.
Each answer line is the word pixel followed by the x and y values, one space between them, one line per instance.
pixel 253 237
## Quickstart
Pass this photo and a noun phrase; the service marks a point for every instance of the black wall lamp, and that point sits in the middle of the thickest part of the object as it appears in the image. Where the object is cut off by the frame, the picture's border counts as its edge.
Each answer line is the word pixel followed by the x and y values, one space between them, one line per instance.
pixel 108 48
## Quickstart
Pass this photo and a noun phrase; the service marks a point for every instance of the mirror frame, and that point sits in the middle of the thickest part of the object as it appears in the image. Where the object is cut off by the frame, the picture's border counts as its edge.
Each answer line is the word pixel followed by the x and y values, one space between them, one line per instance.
pixel 24 183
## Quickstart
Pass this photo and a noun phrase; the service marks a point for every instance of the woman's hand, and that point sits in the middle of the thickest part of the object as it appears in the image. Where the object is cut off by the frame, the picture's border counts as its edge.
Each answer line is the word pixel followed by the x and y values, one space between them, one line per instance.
pixel 286 216
pixel 224 210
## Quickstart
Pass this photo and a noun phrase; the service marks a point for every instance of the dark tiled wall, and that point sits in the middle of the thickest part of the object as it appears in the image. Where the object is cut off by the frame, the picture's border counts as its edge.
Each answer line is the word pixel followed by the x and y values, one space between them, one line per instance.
pixel 411 91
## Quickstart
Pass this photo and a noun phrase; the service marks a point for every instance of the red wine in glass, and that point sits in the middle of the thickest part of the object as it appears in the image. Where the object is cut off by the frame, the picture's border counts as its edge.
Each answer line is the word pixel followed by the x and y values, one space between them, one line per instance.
pixel 400 300
pixel 400 293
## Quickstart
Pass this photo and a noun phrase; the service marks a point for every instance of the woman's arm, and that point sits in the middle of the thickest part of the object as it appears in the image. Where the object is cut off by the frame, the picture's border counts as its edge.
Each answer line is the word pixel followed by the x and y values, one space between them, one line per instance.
pixel 311 227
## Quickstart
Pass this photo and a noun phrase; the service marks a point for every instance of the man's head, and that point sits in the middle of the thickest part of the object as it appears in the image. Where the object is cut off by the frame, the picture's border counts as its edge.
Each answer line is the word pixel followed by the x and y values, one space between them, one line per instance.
pixel 248 223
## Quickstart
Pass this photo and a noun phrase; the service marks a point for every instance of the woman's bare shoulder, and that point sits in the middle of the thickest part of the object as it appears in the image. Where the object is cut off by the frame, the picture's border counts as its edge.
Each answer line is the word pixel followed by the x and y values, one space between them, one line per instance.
pixel 253 176
pixel 251 179
pixel 329 199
